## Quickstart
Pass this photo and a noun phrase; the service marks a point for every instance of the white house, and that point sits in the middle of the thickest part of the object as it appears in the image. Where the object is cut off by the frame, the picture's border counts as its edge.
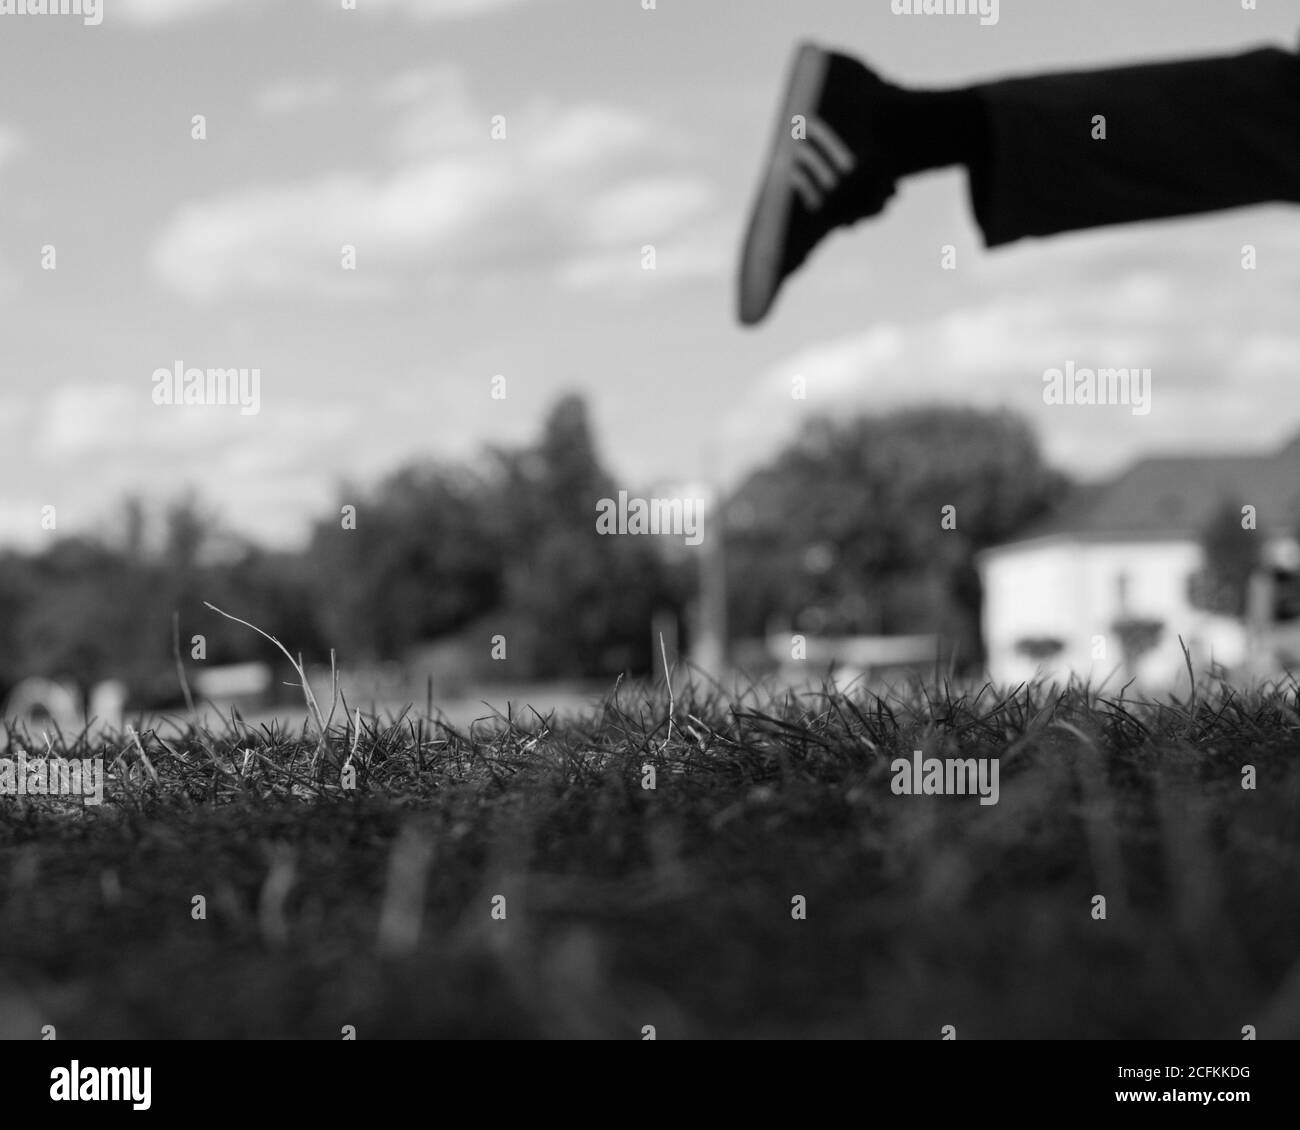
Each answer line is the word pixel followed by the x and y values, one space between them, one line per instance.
pixel 1128 552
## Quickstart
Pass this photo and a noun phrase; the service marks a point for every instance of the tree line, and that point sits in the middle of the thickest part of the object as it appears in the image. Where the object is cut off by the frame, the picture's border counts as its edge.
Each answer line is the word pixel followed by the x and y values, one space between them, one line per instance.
pixel 866 525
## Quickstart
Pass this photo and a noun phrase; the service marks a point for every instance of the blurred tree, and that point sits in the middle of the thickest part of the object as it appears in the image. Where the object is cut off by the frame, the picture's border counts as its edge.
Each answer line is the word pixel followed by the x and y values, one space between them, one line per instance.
pixel 1231 554
pixel 422 562
pixel 585 600
pixel 436 549
pixel 91 608
pixel 848 531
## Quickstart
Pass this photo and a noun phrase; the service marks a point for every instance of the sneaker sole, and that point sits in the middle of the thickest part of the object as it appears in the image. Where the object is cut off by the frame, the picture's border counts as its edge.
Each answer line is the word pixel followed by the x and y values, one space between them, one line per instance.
pixel 760 263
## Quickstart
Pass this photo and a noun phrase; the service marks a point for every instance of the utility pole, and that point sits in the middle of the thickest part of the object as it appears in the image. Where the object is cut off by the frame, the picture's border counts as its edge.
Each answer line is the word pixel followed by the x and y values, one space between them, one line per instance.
pixel 709 639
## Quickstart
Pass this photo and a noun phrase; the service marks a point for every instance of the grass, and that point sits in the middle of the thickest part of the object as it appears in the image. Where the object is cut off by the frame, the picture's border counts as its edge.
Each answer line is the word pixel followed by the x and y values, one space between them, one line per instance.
pixel 671 907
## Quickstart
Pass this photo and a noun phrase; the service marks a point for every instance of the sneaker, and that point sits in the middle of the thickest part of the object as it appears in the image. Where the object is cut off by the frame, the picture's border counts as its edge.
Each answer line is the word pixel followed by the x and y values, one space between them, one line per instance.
pixel 830 174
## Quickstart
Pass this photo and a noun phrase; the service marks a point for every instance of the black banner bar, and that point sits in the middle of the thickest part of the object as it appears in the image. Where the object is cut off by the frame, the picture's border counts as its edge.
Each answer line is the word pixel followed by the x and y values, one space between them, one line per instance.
pixel 359 1078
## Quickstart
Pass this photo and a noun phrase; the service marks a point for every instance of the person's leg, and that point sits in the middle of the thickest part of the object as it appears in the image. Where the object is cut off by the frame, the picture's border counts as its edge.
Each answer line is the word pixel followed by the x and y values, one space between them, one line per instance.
pixel 931 129
pixel 843 139
pixel 826 168
pixel 1180 138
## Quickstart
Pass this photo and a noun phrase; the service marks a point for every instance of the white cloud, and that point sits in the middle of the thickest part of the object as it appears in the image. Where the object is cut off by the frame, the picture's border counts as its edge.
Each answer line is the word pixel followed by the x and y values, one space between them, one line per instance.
pixel 567 184
pixel 429 10
pixel 438 82
pixel 652 206
pixel 89 421
pixel 153 13
pixel 295 95
pixel 168 11
pixel 286 240
pixel 269 476
pixel 585 135
pixel 11 143
pixel 94 443
pixel 694 251
pixel 1221 363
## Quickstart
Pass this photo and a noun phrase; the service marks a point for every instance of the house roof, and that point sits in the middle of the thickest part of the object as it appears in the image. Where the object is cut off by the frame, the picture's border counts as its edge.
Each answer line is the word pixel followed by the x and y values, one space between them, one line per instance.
pixel 1174 497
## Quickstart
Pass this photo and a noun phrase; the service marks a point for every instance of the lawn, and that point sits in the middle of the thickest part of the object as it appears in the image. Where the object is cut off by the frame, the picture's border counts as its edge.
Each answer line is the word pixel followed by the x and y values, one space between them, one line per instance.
pixel 519 879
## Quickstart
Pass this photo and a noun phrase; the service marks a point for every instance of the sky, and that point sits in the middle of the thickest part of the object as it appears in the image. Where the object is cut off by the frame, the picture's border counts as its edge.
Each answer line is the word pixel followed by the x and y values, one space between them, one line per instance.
pixel 521 256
